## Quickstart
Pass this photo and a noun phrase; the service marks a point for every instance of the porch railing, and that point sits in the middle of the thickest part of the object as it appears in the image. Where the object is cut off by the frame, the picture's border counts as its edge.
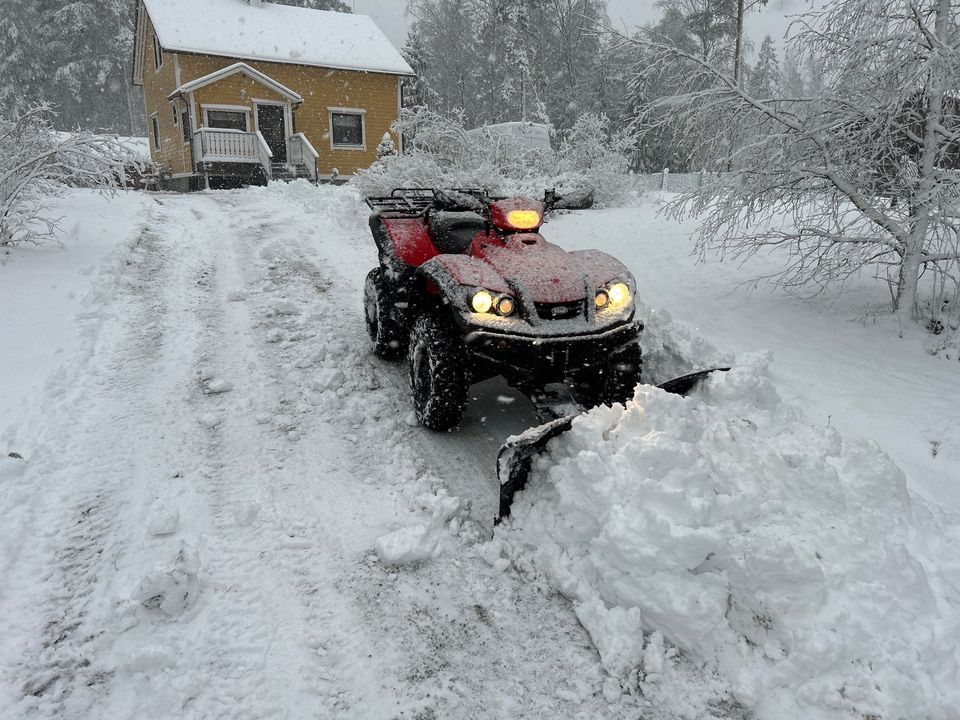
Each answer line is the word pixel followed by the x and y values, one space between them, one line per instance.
pixel 301 152
pixel 231 146
pixel 215 145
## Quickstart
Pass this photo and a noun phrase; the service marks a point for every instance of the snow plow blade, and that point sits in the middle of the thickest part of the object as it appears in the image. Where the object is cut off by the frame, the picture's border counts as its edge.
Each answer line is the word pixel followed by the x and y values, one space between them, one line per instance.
pixel 516 455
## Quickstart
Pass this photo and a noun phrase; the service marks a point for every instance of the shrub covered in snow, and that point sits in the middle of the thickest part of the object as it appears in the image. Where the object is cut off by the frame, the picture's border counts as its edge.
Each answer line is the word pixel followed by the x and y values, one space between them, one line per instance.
pixel 790 563
pixel 439 152
pixel 35 161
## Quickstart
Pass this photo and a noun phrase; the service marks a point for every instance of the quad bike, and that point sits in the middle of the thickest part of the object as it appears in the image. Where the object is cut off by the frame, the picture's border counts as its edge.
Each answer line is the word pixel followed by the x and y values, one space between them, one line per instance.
pixel 468 289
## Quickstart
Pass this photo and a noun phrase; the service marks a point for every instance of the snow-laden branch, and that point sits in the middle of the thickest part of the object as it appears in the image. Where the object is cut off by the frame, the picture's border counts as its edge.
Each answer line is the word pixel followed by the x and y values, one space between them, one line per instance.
pixel 35 161
pixel 859 173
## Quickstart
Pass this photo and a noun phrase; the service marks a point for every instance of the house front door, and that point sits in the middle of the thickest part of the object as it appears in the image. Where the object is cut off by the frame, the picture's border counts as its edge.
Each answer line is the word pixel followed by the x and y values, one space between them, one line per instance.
pixel 272 124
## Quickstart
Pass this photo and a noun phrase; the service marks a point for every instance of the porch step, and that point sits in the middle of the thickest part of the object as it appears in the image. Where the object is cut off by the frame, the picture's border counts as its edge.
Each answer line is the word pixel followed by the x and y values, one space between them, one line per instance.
pixel 286 173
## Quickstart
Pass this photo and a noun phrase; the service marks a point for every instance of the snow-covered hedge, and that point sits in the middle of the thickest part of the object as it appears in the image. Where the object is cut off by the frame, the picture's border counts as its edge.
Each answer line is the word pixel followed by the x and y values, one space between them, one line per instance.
pixel 440 153
pixel 792 565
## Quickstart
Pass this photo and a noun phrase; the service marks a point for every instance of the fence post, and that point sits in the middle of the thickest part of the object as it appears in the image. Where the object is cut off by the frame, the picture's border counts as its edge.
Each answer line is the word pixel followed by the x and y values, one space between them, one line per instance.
pixel 663 178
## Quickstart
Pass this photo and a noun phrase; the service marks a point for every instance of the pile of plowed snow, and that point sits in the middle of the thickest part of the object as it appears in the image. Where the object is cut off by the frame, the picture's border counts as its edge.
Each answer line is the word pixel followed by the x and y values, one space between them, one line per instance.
pixel 790 564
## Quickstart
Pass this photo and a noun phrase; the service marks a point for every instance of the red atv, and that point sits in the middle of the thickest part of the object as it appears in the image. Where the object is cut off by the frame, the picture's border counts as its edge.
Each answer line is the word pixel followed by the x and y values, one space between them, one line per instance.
pixel 469 289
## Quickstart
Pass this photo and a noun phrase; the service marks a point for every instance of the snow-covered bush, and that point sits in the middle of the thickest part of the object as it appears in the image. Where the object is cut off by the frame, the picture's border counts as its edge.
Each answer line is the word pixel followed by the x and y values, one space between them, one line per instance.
pixel 35 161
pixel 386 148
pixel 439 152
pixel 597 154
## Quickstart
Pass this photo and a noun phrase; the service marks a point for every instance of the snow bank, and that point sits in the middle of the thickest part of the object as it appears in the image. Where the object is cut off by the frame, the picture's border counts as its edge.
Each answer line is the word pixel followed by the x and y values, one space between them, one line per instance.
pixel 794 565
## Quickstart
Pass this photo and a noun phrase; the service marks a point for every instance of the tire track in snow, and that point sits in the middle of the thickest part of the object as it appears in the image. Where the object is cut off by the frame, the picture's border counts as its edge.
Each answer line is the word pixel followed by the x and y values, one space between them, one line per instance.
pixel 282 486
pixel 91 469
pixel 460 639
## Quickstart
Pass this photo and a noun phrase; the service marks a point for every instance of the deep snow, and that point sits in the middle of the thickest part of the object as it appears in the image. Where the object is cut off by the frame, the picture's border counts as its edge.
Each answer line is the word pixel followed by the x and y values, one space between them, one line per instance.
pixel 224 509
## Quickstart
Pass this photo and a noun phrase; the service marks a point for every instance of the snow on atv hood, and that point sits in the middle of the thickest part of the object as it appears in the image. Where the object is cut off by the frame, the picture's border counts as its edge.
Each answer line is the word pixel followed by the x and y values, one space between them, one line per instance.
pixel 793 566
pixel 548 272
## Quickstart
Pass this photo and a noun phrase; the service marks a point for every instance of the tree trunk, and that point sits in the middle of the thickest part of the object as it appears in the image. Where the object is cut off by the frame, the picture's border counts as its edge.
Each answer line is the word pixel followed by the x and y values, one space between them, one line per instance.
pixel 905 303
pixel 738 45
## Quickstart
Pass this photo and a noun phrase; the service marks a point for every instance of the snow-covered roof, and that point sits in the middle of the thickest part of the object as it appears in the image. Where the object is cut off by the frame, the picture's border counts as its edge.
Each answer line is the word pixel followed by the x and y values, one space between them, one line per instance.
pixel 240 67
pixel 258 30
pixel 532 135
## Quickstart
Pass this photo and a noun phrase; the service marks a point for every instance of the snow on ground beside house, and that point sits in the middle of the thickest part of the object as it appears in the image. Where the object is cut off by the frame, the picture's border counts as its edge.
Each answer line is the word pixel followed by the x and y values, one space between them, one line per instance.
pixel 200 523
pixel 225 509
pixel 50 292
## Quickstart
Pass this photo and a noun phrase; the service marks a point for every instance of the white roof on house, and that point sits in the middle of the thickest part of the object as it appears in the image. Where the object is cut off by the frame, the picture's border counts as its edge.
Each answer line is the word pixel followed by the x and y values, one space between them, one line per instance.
pixel 532 135
pixel 258 30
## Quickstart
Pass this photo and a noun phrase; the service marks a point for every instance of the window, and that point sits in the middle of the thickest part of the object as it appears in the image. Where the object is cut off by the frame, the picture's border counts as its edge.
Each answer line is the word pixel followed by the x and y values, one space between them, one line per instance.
pixel 155 124
pixel 157 53
pixel 185 125
pixel 174 115
pixel 227 119
pixel 346 128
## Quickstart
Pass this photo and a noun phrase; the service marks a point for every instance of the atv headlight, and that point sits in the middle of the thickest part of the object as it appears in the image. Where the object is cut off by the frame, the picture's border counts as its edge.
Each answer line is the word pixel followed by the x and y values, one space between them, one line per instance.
pixel 504 305
pixel 602 299
pixel 482 301
pixel 619 294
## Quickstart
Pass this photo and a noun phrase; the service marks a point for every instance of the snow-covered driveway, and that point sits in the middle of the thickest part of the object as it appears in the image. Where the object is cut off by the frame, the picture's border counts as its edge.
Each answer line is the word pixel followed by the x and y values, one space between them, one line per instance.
pixel 209 467
pixel 191 530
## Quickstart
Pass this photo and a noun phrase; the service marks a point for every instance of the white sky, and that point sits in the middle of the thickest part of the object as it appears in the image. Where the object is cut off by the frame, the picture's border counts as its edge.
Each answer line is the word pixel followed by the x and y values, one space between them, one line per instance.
pixel 772 19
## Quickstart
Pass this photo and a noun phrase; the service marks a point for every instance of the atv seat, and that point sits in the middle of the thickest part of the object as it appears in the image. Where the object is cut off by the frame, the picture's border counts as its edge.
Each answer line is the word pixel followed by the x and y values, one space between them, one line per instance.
pixel 453 232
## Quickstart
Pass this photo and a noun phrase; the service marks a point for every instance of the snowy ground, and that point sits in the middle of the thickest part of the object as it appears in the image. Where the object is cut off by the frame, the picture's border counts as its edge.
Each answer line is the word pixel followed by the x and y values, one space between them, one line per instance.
pixel 210 462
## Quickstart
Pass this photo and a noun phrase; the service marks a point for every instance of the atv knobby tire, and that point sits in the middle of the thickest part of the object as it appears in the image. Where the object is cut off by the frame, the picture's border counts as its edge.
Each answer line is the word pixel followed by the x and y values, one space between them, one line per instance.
pixel 438 379
pixel 389 338
pixel 612 381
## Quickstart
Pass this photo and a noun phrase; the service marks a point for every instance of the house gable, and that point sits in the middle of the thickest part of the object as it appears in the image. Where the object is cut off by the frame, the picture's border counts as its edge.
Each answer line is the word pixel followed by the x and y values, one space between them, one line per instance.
pixel 235 69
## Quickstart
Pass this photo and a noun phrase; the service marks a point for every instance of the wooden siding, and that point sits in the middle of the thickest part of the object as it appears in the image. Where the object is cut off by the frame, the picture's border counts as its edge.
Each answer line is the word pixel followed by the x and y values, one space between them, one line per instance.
pixel 320 88
pixel 174 154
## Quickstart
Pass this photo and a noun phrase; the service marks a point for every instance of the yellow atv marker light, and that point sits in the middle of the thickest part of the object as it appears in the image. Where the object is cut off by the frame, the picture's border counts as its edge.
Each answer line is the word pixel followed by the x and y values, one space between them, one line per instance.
pixel 505 306
pixel 523 219
pixel 482 302
pixel 602 299
pixel 619 293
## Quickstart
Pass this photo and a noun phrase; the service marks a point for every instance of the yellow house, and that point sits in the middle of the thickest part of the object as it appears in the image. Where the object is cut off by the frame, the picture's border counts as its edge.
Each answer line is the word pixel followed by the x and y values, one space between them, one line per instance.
pixel 243 91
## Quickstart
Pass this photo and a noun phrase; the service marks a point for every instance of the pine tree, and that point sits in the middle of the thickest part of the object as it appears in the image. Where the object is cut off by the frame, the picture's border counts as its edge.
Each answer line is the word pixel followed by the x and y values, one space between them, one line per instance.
pixel 791 80
pixel 765 76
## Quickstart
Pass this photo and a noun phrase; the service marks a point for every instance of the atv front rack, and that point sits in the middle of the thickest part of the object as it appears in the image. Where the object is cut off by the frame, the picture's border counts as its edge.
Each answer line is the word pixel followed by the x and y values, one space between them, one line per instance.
pixel 414 202
pixel 404 202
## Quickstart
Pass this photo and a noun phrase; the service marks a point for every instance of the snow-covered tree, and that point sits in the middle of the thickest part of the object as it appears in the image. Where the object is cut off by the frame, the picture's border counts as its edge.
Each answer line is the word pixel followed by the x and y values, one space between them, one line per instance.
pixel 856 177
pixel 765 75
pixel 386 148
pixel 500 60
pixel 791 79
pixel 35 161
pixel 335 5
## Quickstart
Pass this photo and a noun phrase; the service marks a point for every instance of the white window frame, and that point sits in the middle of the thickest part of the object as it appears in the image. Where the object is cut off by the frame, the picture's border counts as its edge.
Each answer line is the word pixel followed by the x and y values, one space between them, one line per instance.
pixel 155 131
pixel 157 53
pixel 226 108
pixel 363 126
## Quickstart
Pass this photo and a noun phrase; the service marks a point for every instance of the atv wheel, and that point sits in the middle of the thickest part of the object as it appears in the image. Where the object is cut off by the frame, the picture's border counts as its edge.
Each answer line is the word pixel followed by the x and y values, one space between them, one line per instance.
pixel 389 339
pixel 611 382
pixel 438 380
